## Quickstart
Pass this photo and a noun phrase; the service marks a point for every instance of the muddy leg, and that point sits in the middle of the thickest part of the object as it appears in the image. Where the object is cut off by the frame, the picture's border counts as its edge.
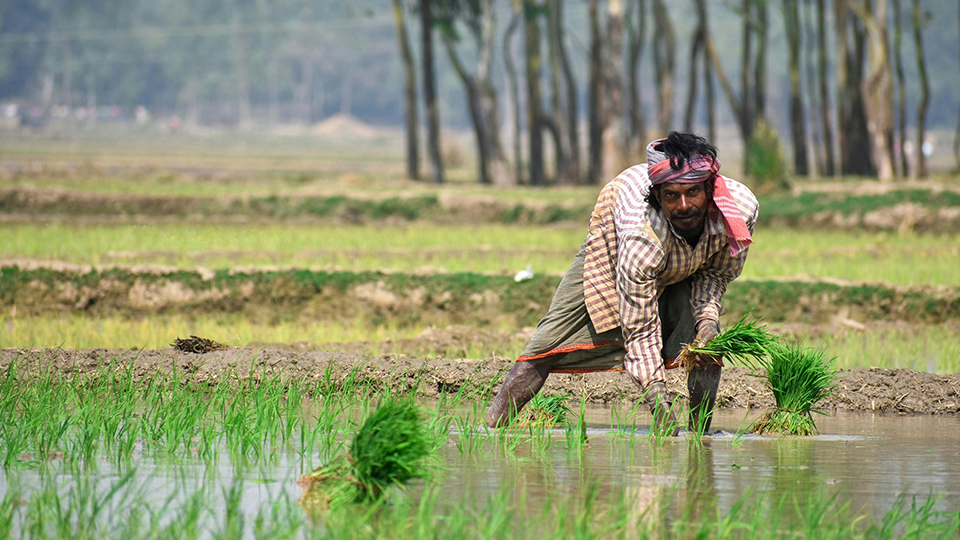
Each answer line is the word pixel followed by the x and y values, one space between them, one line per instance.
pixel 523 381
pixel 702 385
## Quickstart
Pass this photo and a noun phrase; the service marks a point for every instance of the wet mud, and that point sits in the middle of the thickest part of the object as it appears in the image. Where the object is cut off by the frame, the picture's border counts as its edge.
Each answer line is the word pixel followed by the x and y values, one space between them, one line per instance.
pixel 867 389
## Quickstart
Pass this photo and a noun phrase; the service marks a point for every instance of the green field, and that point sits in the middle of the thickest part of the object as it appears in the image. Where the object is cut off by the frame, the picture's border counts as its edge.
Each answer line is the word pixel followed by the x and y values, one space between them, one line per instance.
pixel 907 259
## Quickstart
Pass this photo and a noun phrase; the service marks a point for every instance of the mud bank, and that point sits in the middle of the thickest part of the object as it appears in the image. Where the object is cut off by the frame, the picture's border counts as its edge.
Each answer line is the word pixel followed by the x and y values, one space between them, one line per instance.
pixel 867 389
pixel 923 209
pixel 38 288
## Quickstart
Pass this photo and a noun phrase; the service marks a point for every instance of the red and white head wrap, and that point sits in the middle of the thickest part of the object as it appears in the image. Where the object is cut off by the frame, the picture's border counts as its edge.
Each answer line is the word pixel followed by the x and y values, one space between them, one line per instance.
pixel 696 169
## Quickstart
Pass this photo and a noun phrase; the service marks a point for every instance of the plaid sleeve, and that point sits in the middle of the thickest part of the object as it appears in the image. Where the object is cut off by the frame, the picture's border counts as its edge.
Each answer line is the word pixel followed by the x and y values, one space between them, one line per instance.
pixel 710 282
pixel 641 259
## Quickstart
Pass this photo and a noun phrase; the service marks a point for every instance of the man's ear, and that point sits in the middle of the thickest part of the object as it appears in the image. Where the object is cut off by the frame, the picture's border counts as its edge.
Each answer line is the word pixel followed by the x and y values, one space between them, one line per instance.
pixel 655 190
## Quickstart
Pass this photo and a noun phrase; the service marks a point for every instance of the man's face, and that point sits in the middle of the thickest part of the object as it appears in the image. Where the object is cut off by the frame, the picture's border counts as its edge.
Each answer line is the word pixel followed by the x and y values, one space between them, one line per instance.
pixel 684 204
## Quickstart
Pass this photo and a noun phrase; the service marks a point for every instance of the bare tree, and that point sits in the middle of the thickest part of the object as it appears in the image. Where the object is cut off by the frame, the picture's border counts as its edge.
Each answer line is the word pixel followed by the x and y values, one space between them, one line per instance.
pixel 478 17
pixel 429 91
pixel 636 37
pixel 854 139
pixel 409 92
pixel 513 86
pixel 798 130
pixel 919 20
pixel 615 136
pixel 748 107
pixel 697 50
pixel 535 116
pixel 901 155
pixel 878 86
pixel 665 64
pixel 828 163
pixel 564 97
pixel 596 111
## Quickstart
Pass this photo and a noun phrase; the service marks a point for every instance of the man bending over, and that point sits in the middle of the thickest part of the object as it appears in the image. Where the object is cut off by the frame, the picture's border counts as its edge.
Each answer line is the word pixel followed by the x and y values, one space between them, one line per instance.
pixel 665 239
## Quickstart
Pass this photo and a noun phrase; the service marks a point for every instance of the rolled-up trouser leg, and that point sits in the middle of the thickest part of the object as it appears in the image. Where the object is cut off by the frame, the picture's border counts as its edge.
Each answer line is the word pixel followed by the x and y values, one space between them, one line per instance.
pixel 702 385
pixel 523 382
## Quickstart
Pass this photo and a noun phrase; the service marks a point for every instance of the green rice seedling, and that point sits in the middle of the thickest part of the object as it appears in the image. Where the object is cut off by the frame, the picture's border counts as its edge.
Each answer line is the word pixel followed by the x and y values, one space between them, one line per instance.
pixel 390 449
pixel 799 378
pixel 577 432
pixel 746 343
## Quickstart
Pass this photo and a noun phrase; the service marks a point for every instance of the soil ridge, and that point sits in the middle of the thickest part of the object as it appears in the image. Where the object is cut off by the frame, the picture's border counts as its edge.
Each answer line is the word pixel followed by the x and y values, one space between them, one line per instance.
pixel 876 390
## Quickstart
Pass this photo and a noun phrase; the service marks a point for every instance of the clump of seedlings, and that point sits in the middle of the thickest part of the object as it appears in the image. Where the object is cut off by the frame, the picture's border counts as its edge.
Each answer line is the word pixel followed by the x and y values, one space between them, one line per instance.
pixel 746 343
pixel 390 449
pixel 799 378
pixel 545 412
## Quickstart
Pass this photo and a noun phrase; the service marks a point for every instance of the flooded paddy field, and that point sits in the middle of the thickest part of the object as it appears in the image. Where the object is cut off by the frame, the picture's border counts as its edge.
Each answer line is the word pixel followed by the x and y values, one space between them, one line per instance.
pixel 144 444
pixel 871 475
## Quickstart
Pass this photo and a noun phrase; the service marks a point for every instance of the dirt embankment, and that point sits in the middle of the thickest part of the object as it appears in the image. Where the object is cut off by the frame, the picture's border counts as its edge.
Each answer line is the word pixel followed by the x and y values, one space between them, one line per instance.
pixel 441 300
pixel 922 210
pixel 877 390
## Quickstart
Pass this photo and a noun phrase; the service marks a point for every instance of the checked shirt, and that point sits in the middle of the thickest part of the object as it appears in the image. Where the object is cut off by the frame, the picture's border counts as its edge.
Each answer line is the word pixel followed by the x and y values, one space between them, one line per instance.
pixel 633 253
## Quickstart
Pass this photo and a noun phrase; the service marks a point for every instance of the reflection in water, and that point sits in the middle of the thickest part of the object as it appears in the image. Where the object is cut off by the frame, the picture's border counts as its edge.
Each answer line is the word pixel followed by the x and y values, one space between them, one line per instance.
pixel 701 493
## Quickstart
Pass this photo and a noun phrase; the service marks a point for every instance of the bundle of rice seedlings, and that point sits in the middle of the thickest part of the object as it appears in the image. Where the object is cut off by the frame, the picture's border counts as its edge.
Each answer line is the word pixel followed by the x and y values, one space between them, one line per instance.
pixel 799 378
pixel 389 450
pixel 746 342
pixel 545 411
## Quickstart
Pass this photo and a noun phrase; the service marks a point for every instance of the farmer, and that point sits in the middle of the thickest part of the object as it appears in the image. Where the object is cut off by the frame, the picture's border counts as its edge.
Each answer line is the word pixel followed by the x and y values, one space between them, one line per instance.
pixel 665 239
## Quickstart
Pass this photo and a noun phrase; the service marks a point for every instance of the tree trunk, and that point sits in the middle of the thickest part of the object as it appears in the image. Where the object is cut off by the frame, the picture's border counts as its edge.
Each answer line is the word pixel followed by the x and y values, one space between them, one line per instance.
pixel 814 148
pixel 664 61
pixel 534 92
pixel 798 130
pixel 429 94
pixel 564 96
pixel 635 42
pixel 708 68
pixel 596 114
pixel 614 137
pixel 920 170
pixel 482 99
pixel 513 87
pixel 828 163
pixel 409 93
pixel 855 148
pixel 901 152
pixel 696 52
pixel 877 87
pixel 760 65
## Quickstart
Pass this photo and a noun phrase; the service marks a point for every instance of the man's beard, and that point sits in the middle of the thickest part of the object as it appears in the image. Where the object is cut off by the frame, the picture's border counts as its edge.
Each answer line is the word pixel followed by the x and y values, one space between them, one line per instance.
pixel 692 213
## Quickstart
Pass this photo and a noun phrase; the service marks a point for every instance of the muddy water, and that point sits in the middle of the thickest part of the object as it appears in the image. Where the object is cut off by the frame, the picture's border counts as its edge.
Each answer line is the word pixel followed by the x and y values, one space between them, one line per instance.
pixel 867 460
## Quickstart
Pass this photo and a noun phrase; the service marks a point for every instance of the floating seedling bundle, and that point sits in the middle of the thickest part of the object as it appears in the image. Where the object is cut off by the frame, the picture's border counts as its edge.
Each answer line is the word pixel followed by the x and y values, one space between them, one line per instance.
pixel 390 449
pixel 746 343
pixel 799 378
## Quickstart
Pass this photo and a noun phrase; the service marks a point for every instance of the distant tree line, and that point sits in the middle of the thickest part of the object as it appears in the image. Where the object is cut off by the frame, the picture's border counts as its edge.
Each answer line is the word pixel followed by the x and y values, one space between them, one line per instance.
pixel 856 126
pixel 588 101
